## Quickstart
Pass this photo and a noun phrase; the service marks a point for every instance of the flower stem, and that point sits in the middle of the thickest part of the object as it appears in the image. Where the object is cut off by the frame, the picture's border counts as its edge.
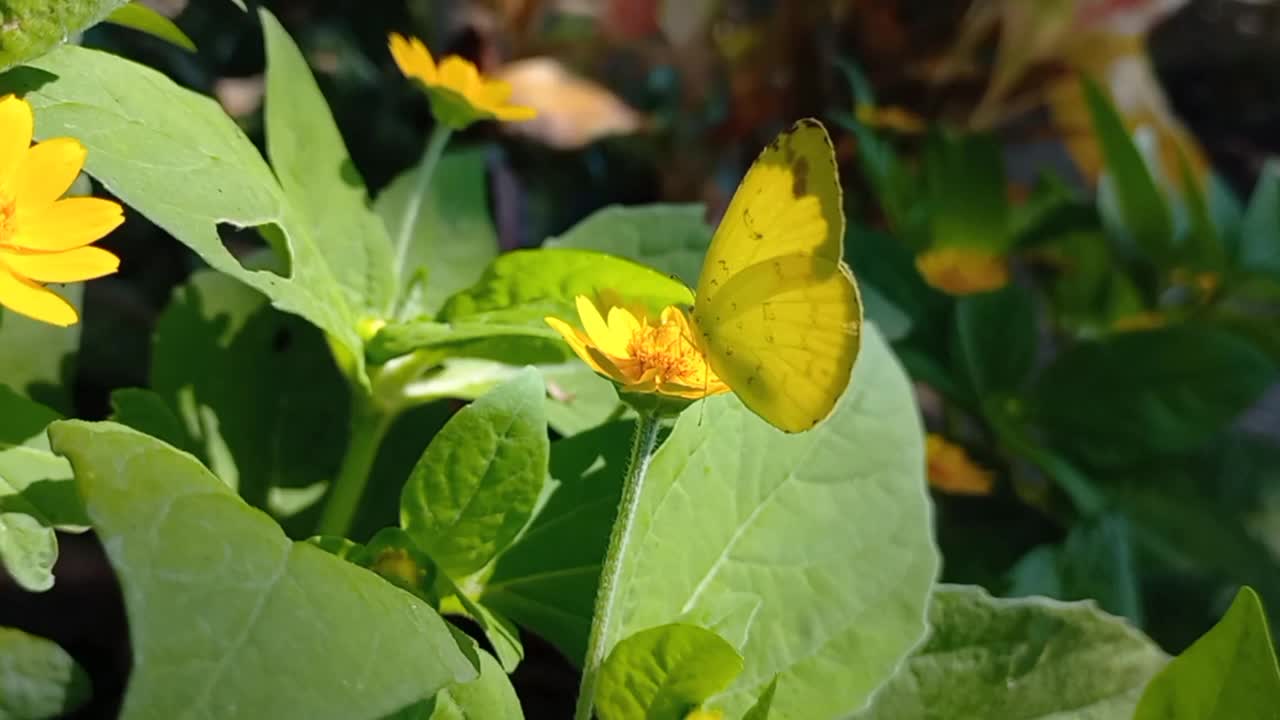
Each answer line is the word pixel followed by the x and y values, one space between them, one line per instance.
pixel 369 424
pixel 413 204
pixel 602 619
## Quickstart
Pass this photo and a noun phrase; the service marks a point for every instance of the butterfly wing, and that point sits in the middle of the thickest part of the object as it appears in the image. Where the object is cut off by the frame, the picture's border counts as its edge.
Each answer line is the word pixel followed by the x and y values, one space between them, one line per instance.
pixel 777 309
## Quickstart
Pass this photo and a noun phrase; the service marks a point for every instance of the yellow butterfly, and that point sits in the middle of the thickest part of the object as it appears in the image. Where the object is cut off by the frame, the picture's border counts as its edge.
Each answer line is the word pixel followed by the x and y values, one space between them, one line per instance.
pixel 776 310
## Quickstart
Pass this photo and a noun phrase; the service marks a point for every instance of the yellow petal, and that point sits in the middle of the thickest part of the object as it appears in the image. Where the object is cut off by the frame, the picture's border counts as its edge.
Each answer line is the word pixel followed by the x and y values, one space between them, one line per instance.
pixel 48 171
pixel 623 324
pixel 67 224
pixel 576 340
pixel 514 113
pixel 599 332
pixel 27 298
pixel 16 125
pixel 412 57
pixel 459 74
pixel 77 265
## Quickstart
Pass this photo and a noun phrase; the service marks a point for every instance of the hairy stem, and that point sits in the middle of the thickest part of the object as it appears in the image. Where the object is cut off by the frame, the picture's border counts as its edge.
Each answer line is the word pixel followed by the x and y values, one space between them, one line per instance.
pixel 369 424
pixel 602 619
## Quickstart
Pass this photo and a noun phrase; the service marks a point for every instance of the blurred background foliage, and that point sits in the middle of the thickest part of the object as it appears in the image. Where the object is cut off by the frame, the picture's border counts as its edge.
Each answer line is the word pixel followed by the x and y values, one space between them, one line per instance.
pixel 1101 384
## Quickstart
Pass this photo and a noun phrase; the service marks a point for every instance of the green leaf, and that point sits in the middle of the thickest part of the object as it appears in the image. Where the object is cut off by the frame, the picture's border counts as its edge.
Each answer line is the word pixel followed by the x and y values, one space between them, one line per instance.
pixel 1205 249
pixel 139 17
pixel 761 710
pixel 1094 563
pixel 38 679
pixel 546 580
pixel 664 672
pixel 453 236
pixel 499 631
pixel 753 527
pixel 578 399
pixel 527 285
pixel 476 485
pixel 33 27
pixel 736 513
pixel 894 324
pixel 668 238
pixel 1161 391
pixel 219 600
pixel 488 697
pixel 38 359
pixel 319 179
pixel 1260 231
pixel 514 344
pixel 1033 659
pixel 994 340
pixel 965 177
pixel 256 391
pixel 1228 674
pixel 147 412
pixel 35 493
pixel 1143 211
pixel 189 177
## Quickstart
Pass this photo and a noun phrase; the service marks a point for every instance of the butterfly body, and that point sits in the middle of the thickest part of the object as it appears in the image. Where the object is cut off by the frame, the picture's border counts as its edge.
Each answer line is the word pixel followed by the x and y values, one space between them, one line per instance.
pixel 776 309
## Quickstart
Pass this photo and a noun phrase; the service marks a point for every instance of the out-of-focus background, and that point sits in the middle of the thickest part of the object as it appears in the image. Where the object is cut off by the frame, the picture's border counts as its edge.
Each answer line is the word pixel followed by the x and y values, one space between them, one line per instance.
pixel 645 101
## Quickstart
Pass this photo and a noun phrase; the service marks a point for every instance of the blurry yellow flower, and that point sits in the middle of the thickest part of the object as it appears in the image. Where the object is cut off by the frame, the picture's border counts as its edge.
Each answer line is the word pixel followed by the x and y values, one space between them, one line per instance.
pixel 891 117
pixel 44 239
pixel 952 471
pixel 1144 320
pixel 640 357
pixel 705 715
pixel 963 270
pixel 459 94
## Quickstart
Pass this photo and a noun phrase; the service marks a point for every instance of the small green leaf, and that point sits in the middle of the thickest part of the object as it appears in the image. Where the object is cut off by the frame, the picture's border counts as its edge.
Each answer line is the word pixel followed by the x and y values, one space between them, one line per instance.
pixel 35 493
pixel 189 178
pixel 1152 392
pixel 38 359
pixel 1144 213
pixel 967 202
pixel 760 711
pixel 219 600
pixel 319 179
pixel 501 633
pixel 664 672
pixel 1033 659
pixel 476 485
pixel 527 285
pixel 668 238
pixel 38 679
pixel 1228 674
pixel 452 236
pixel 139 17
pixel 1260 231
pixel 33 27
pixel 994 341
pixel 488 697
pixel 1204 247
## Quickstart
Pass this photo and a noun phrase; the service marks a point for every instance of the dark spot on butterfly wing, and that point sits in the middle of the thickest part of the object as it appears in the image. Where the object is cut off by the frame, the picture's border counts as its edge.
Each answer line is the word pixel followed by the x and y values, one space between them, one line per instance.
pixel 800 185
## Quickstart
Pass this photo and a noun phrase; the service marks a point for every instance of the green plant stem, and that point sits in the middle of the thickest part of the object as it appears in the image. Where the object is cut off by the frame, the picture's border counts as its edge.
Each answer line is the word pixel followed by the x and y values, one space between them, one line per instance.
pixel 646 438
pixel 413 205
pixel 369 424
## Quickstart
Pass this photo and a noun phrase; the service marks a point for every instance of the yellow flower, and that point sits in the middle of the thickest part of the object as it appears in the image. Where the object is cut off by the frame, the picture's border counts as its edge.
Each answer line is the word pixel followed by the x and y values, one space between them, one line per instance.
pixel 705 715
pixel 44 239
pixel 641 357
pixel 459 94
pixel 952 471
pixel 963 270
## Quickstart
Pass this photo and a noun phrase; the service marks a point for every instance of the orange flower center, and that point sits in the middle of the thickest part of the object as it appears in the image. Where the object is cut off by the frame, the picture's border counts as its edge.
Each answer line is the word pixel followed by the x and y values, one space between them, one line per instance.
pixel 665 351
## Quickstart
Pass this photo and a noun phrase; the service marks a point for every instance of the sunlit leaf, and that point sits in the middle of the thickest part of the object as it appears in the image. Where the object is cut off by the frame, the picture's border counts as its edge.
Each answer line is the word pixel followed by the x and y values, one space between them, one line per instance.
pixel 664 672
pixel 38 679
pixel 142 18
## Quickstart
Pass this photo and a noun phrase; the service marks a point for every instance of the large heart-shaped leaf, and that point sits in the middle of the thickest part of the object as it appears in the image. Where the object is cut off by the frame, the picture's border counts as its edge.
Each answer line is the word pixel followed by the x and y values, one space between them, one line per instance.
pixel 188 177
pixel 1033 659
pixel 222 605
